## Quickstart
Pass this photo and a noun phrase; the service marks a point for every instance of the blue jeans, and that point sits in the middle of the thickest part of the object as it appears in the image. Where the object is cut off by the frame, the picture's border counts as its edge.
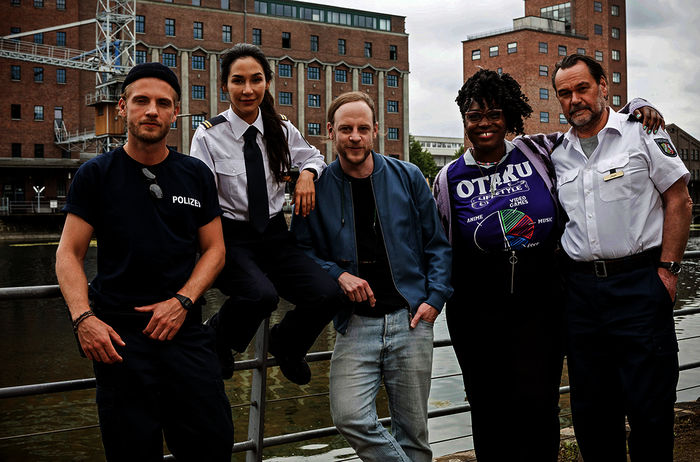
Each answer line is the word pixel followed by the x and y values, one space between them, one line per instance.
pixel 385 348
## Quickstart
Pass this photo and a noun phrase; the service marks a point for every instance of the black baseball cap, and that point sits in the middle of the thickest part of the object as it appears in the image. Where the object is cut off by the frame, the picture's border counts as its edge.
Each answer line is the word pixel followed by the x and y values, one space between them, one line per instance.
pixel 155 70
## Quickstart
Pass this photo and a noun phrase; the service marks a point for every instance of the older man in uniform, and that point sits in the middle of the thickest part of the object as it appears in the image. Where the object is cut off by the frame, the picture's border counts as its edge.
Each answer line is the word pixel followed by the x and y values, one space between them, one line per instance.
pixel 152 210
pixel 624 191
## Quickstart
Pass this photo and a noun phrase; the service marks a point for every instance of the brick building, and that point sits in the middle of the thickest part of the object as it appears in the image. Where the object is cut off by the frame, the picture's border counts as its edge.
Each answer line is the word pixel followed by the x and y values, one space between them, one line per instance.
pixel 548 31
pixel 689 151
pixel 316 51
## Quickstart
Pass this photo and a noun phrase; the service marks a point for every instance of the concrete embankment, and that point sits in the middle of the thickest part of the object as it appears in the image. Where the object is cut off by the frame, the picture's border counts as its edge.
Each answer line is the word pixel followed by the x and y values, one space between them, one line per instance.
pixel 686 448
pixel 31 228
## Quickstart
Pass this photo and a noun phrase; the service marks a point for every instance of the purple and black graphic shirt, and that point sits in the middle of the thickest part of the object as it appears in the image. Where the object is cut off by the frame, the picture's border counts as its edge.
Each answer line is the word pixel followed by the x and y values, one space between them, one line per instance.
pixel 502 207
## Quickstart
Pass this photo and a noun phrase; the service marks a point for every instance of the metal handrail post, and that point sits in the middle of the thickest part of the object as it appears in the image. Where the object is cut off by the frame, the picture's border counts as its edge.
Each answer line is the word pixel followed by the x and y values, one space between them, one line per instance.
pixel 258 391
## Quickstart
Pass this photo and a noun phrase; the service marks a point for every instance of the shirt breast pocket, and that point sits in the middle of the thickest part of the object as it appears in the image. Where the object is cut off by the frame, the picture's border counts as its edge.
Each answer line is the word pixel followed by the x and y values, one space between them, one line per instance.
pixel 230 174
pixel 614 178
pixel 568 190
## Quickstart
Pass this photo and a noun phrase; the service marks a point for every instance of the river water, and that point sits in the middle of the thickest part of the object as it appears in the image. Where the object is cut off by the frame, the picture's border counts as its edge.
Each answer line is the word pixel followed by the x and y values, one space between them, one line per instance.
pixel 37 345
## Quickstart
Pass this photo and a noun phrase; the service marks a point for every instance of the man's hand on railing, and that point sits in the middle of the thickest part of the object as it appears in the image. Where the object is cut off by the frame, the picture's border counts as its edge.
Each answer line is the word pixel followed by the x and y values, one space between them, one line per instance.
pixel 97 341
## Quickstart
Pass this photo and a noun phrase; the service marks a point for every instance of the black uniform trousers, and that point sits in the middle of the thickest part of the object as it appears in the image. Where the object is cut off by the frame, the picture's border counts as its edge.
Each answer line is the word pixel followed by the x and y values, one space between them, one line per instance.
pixel 164 388
pixel 259 269
pixel 623 361
pixel 510 350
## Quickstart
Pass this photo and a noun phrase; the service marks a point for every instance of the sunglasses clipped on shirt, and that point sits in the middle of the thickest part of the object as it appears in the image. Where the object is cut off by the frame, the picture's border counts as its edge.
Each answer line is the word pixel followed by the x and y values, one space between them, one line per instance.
pixel 476 116
pixel 153 187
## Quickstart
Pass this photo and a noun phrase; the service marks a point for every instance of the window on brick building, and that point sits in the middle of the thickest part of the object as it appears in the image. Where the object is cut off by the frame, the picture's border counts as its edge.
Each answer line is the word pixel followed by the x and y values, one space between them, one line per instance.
pixel 198 30
pixel 60 75
pixel 616 100
pixel 476 55
pixel 257 37
pixel 597 29
pixel 562 118
pixel 561 49
pixel 39 38
pixel 15 72
pixel 38 3
pixel 225 4
pixel 392 80
pixel 223 96
pixel 544 117
pixel 493 51
pixel 314 100
pixel 392 106
pixel 313 129
pixel 169 27
pixel 615 55
pixel 616 77
pixel 598 7
pixel 196 120
pixel 226 34
pixel 544 93
pixel 60 39
pixel 285 98
pixel 512 47
pixel 341 75
pixel 39 151
pixel 170 59
pixel 313 43
pixel 140 24
pixel 393 133
pixel 285 70
pixel 198 62
pixel 16 149
pixel 140 56
pixel 60 4
pixel 15 111
pixel 199 92
pixel 313 73
pixel 544 70
pixel 38 74
pixel 614 10
pixel 598 55
pixel 615 33
pixel 341 46
pixel 367 78
pixel 393 53
pixel 368 49
pixel 286 40
pixel 544 47
pixel 581 51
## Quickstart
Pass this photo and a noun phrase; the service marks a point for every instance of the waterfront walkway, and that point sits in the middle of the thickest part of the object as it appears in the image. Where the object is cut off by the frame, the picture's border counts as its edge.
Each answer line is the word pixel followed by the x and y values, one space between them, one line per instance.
pixel 686 449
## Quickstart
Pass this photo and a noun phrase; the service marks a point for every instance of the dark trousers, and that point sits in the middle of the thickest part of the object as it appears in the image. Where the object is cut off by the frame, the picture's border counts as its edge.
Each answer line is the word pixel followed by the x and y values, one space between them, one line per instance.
pixel 172 389
pixel 509 348
pixel 623 361
pixel 261 268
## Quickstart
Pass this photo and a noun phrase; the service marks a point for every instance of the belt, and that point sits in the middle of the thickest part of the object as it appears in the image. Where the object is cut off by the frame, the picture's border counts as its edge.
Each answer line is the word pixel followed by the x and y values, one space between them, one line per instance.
pixel 605 268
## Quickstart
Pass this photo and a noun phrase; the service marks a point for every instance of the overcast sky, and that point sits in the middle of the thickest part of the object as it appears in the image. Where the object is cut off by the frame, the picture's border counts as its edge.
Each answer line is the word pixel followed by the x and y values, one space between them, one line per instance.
pixel 663 54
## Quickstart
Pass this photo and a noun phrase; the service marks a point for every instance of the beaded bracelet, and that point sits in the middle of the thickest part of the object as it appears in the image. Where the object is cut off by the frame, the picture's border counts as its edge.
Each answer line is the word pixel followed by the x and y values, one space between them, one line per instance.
pixel 80 319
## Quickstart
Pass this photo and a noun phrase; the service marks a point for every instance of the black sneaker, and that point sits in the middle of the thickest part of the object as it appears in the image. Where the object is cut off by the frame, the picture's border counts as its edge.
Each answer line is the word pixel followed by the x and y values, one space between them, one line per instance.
pixel 223 351
pixel 295 369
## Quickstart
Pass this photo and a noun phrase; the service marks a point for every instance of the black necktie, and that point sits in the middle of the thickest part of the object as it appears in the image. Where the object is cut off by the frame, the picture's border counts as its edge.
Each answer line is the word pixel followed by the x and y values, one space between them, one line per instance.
pixel 258 208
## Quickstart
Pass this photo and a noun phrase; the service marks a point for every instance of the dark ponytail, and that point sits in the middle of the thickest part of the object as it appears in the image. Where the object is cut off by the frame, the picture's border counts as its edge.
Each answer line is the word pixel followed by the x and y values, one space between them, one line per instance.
pixel 278 154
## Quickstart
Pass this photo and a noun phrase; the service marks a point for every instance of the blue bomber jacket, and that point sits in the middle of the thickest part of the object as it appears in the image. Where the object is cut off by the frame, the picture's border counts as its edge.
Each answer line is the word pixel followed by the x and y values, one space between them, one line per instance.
pixel 419 254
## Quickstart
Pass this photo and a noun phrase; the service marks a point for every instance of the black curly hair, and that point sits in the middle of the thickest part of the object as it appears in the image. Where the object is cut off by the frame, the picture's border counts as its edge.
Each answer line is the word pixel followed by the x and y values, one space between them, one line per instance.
pixel 496 90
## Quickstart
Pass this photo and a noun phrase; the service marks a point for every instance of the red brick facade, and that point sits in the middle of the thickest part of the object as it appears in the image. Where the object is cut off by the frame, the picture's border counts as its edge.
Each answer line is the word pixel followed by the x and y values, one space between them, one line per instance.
pixel 589 30
pixel 54 171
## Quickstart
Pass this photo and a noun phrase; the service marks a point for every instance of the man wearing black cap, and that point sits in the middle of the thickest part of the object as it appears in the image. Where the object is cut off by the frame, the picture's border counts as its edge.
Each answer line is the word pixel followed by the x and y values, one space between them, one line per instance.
pixel 152 211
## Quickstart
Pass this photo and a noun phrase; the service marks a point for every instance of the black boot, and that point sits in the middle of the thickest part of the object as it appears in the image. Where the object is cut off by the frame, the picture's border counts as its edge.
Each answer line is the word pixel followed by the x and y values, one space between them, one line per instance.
pixel 295 368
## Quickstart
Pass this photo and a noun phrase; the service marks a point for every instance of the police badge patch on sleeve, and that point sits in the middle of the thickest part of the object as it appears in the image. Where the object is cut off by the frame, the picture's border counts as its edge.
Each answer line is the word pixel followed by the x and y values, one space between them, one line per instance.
pixel 666 147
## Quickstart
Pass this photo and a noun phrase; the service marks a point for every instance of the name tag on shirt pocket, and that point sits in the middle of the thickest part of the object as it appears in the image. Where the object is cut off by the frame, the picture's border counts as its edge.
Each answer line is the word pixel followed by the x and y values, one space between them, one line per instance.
pixel 613 177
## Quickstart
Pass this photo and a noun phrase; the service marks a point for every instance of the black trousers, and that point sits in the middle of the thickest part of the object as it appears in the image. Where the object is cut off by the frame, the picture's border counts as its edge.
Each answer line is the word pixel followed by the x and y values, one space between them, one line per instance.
pixel 509 348
pixel 623 361
pixel 172 389
pixel 261 268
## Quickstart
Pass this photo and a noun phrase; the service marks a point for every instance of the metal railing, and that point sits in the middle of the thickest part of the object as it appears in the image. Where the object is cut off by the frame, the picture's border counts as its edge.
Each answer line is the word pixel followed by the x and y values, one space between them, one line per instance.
pixel 256 441
pixel 10 207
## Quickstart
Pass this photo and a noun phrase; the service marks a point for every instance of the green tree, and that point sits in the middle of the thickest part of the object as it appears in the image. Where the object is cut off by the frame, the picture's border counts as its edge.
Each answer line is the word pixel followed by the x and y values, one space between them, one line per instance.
pixel 422 158
pixel 458 152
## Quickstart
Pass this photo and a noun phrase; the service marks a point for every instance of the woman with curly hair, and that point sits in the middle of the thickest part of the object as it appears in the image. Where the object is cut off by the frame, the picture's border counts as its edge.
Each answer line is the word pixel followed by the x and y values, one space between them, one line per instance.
pixel 499 210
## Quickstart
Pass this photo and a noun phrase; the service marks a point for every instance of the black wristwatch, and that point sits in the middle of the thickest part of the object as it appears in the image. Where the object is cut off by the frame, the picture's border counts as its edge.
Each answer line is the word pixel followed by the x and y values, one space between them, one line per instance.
pixel 184 301
pixel 672 266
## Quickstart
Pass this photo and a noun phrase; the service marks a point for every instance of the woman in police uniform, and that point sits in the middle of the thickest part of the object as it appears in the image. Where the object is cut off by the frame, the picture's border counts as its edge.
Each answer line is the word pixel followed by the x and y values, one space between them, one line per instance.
pixel 250 148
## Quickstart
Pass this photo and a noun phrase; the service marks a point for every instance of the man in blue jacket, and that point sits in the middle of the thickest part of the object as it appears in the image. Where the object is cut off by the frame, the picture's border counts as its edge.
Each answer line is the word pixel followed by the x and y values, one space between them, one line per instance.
pixel 376 230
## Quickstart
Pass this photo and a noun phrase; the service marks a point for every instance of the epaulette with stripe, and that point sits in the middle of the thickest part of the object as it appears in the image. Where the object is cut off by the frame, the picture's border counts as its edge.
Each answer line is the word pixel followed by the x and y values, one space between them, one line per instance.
pixel 214 121
pixel 284 117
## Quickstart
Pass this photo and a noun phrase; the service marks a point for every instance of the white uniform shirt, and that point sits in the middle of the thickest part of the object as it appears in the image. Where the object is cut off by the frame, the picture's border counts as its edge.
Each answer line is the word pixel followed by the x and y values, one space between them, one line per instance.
pixel 623 215
pixel 221 148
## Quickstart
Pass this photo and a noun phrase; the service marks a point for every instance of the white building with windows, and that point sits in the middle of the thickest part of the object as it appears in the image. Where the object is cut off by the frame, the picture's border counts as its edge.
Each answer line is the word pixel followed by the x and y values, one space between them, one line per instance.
pixel 441 147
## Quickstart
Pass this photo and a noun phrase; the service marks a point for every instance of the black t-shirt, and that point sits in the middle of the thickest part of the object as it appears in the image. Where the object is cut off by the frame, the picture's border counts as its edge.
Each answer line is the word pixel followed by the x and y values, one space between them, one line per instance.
pixel 146 247
pixel 373 263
